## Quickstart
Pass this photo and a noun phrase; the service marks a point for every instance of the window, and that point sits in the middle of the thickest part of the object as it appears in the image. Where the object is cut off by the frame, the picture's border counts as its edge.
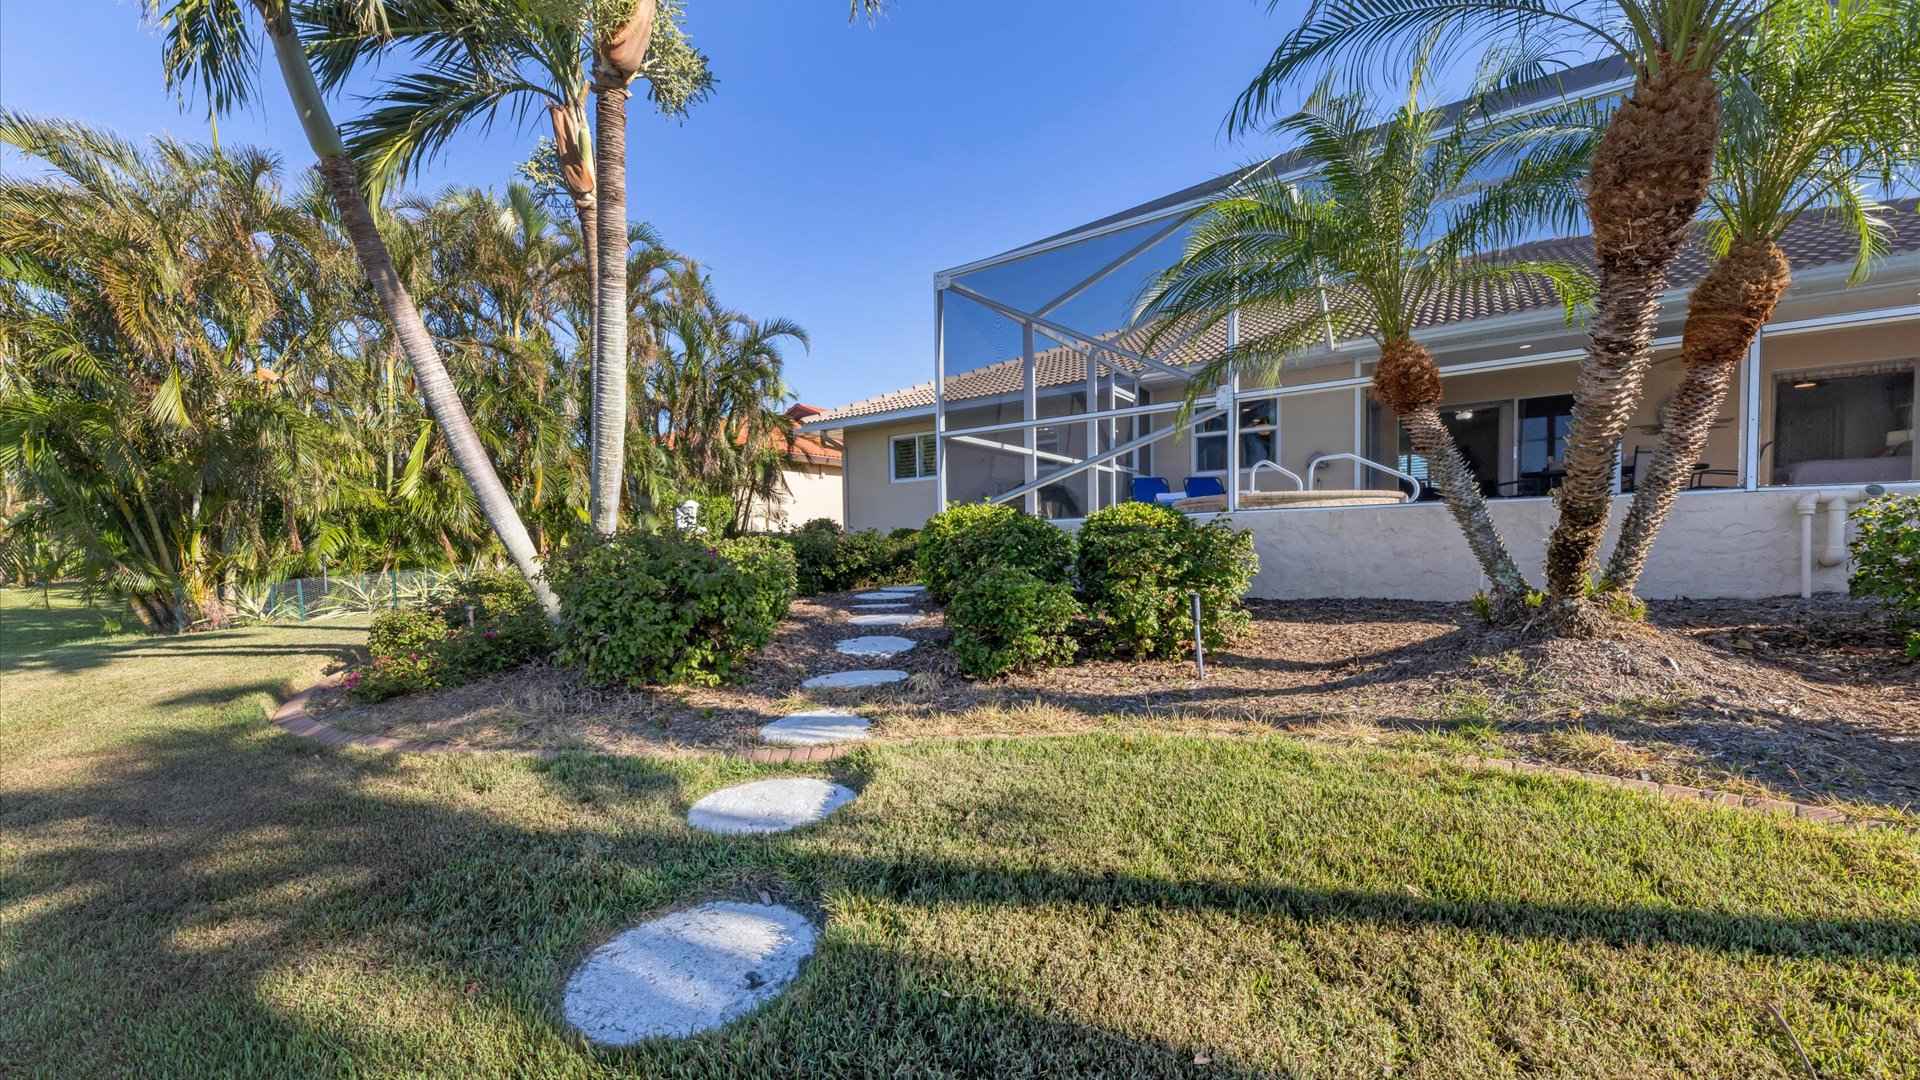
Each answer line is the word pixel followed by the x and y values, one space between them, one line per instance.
pixel 1543 432
pixel 1257 438
pixel 913 457
pixel 1850 426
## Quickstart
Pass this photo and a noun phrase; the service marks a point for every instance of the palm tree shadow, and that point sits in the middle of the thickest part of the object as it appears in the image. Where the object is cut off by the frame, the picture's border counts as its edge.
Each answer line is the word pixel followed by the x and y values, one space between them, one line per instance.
pixel 194 867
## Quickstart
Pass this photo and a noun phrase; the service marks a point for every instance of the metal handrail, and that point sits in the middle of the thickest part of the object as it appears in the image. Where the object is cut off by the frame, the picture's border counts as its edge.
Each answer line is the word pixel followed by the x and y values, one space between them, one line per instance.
pixel 1253 474
pixel 1317 460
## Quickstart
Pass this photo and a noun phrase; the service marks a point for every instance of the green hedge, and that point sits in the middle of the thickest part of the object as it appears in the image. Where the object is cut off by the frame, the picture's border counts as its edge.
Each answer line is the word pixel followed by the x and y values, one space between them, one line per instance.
pixel 1886 559
pixel 1005 619
pixel 487 623
pixel 964 541
pixel 830 560
pixel 1139 565
pixel 649 608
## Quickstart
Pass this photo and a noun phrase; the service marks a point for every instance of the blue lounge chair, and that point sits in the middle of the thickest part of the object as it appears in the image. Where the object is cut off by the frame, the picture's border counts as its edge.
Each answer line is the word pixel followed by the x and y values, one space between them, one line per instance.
pixel 1146 487
pixel 1199 486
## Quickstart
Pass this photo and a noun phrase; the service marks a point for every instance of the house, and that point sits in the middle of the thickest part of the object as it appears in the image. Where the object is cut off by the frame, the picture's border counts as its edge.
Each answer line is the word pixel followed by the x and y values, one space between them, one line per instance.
pixel 1045 394
pixel 810 478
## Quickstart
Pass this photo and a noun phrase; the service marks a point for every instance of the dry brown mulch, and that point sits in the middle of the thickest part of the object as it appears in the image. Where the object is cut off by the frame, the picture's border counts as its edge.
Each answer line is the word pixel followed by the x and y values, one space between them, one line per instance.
pixel 1811 701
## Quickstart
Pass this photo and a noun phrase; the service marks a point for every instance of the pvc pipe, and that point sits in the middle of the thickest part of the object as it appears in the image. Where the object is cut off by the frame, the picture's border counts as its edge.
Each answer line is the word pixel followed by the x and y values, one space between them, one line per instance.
pixel 1805 507
pixel 1835 553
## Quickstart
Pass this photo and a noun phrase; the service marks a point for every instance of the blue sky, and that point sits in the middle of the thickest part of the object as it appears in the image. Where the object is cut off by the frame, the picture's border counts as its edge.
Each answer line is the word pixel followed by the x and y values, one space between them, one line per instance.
pixel 838 166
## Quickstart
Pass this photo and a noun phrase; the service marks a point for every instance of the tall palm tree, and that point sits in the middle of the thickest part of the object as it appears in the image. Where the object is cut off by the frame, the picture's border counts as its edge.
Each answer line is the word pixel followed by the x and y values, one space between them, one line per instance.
pixel 476 58
pixel 1392 214
pixel 211 41
pixel 1649 176
pixel 1820 100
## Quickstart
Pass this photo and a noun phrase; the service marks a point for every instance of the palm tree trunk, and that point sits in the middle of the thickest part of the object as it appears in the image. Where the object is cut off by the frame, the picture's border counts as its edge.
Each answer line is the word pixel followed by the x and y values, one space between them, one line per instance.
pixel 356 217
pixel 1724 315
pixel 1649 176
pixel 608 425
pixel 1407 380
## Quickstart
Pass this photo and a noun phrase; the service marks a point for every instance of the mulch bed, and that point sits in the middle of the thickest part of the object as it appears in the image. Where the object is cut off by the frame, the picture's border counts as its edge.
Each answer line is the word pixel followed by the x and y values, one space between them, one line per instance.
pixel 1811 701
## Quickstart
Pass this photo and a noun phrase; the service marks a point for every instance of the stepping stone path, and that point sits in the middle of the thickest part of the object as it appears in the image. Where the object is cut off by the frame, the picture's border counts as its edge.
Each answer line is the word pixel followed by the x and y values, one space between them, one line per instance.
pixel 768 806
pixel 854 680
pixel 882 607
pixel 884 620
pixel 687 972
pixel 822 728
pixel 883 596
pixel 881 645
pixel 906 590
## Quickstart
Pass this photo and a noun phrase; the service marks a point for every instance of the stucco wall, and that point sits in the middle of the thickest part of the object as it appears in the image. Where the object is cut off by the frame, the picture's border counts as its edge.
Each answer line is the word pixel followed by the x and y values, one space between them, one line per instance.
pixel 874 500
pixel 813 491
pixel 1726 544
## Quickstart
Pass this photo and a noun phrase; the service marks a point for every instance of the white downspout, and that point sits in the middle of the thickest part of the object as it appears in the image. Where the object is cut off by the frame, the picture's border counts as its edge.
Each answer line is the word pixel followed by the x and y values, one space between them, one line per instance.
pixel 1805 507
pixel 1834 551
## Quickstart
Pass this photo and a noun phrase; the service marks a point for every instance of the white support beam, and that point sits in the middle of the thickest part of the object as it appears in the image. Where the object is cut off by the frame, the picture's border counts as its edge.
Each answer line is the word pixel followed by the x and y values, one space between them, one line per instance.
pixel 939 400
pixel 1050 421
pixel 1016 448
pixel 1750 370
pixel 1131 254
pixel 1029 410
pixel 1065 333
pixel 1093 432
pixel 1124 448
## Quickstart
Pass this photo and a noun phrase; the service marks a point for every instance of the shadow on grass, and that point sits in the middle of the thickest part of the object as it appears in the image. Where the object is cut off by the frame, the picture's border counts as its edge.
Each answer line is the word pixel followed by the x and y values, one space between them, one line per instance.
pixel 157 898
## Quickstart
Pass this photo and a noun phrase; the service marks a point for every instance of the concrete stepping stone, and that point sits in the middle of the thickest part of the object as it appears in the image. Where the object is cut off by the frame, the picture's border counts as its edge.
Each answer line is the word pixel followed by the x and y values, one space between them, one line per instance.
pixel 880 645
pixel 884 620
pixel 882 607
pixel 854 680
pixel 687 972
pixel 882 596
pixel 768 806
pixel 908 590
pixel 822 728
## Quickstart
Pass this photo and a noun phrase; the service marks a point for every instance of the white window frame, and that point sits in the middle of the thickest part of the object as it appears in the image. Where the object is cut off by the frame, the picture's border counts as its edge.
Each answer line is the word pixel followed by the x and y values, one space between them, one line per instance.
pixel 1193 443
pixel 923 458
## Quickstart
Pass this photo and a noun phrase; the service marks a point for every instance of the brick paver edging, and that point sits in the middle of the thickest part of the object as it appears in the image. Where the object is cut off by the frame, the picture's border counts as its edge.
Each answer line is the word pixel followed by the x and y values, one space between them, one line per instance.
pixel 292 717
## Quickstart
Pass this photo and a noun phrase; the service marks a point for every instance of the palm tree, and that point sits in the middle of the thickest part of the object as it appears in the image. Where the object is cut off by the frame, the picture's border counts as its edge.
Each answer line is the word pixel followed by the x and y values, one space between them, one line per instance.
pixel 1649 176
pixel 1392 215
pixel 1819 100
pixel 477 58
pixel 211 41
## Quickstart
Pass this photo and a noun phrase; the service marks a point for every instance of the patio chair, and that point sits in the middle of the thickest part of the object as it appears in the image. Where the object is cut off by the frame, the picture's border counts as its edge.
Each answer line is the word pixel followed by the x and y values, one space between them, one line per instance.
pixel 1202 486
pixel 1146 487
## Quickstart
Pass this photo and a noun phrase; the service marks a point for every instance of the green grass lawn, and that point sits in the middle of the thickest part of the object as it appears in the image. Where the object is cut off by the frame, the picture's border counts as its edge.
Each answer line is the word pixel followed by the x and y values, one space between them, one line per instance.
pixel 36 619
pixel 184 890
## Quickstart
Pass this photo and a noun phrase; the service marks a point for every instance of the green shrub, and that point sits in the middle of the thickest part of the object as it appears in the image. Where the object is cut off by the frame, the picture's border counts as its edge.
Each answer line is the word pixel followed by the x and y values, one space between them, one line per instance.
pixel 829 560
pixel 770 565
pixel 405 631
pixel 1139 565
pixel 392 676
pixel 657 608
pixel 496 624
pixel 1006 619
pixel 1886 559
pixel 962 542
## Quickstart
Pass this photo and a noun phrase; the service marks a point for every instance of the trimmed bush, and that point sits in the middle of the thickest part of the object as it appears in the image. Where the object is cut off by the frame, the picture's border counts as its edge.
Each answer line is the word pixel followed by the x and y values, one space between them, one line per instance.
pixel 770 565
pixel 964 541
pixel 1006 619
pixel 1886 559
pixel 646 608
pixel 1139 565
pixel 507 627
pixel 405 630
pixel 829 560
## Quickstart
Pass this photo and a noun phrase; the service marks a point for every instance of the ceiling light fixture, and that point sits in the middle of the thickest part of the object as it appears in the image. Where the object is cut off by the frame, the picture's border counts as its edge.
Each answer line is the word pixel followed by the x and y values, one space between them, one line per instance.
pixel 1463 414
pixel 1806 384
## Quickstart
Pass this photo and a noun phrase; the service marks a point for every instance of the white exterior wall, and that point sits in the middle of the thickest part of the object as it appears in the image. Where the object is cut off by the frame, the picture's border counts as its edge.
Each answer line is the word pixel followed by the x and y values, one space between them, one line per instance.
pixel 813 491
pixel 874 499
pixel 1716 545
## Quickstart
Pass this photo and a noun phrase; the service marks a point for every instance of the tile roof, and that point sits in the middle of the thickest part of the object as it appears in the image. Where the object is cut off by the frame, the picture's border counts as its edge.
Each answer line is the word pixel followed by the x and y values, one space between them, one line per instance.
pixel 1813 240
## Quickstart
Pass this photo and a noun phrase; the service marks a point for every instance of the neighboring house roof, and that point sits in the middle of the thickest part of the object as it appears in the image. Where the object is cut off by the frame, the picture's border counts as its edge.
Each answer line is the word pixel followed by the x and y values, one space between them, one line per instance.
pixel 809 449
pixel 1813 240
